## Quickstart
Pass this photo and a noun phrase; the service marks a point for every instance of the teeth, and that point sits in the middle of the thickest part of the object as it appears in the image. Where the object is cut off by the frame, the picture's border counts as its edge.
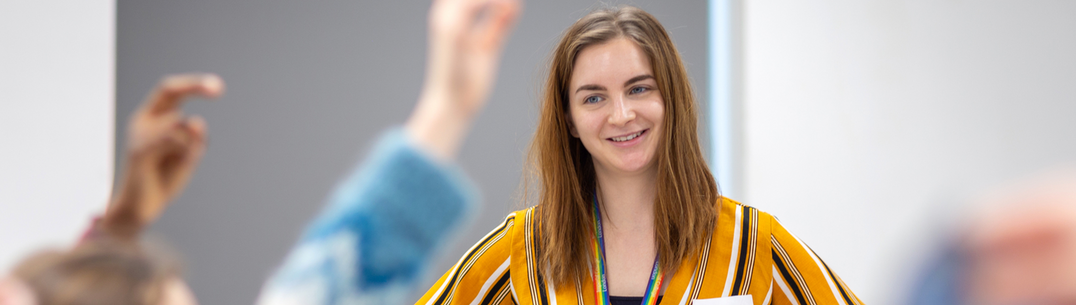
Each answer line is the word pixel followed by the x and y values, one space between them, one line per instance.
pixel 627 137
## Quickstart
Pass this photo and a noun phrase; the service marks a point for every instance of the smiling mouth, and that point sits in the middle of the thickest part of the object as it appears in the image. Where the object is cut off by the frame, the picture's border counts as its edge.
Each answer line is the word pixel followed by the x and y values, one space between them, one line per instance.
pixel 628 137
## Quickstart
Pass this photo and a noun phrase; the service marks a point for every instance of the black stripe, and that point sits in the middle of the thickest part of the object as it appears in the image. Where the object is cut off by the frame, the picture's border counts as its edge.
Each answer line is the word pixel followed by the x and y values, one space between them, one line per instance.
pixel 542 291
pixel 496 289
pixel 834 277
pixel 543 298
pixel 701 268
pixel 452 280
pixel 745 233
pixel 840 287
pixel 788 277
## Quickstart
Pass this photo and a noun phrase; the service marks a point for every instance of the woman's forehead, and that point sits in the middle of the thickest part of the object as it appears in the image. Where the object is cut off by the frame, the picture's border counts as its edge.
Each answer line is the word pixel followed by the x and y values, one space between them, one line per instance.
pixel 609 64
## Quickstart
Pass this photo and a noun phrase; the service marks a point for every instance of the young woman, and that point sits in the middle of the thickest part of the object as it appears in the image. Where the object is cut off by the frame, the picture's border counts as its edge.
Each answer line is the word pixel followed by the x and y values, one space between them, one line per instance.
pixel 627 211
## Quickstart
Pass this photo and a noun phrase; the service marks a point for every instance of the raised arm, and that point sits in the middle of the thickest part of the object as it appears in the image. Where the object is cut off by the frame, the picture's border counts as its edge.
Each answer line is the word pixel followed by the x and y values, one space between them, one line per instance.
pixel 465 51
pixel 164 146
pixel 382 224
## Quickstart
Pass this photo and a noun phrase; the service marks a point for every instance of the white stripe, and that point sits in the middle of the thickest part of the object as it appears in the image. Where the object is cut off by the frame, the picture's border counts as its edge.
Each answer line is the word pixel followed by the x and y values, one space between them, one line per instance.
pixel 448 279
pixel 513 289
pixel 492 279
pixel 735 252
pixel 821 267
pixel 750 265
pixel 769 293
pixel 691 282
pixel 795 272
pixel 848 290
pixel 552 292
pixel 474 259
pixel 781 283
pixel 578 292
pixel 500 297
pixel 701 276
pixel 460 262
pixel 531 272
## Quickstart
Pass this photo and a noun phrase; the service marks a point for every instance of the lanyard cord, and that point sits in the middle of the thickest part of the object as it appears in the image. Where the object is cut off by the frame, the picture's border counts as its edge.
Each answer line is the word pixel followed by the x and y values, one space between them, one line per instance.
pixel 601 287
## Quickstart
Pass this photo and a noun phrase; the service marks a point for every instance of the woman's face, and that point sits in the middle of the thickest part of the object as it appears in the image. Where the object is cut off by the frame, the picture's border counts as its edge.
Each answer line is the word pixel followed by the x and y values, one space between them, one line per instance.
pixel 615 107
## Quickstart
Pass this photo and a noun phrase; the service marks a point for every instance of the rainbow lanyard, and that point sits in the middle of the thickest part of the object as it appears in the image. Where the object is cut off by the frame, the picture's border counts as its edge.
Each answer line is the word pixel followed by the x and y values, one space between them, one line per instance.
pixel 601 288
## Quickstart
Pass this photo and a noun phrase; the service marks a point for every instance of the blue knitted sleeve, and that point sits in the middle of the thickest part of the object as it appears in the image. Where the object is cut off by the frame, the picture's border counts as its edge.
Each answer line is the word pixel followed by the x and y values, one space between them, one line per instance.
pixel 378 231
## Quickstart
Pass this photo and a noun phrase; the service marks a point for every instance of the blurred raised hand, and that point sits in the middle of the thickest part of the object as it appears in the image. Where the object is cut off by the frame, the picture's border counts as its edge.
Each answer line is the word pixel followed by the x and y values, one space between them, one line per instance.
pixel 164 146
pixel 466 39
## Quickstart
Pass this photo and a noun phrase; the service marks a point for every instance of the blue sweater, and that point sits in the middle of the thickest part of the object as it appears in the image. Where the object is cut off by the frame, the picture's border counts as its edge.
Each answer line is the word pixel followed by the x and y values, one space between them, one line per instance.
pixel 378 231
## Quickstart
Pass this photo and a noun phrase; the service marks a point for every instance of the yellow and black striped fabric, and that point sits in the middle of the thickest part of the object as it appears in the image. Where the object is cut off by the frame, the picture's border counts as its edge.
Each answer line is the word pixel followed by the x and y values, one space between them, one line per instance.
pixel 749 253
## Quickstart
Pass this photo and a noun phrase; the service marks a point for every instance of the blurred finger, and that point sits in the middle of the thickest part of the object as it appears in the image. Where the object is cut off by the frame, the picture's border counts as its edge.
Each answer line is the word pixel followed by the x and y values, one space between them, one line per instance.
pixel 188 156
pixel 196 126
pixel 175 140
pixel 447 14
pixel 172 90
pixel 500 20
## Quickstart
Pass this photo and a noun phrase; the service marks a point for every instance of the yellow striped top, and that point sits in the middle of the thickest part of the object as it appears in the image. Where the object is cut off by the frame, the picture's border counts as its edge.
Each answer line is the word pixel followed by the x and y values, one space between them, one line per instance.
pixel 749 253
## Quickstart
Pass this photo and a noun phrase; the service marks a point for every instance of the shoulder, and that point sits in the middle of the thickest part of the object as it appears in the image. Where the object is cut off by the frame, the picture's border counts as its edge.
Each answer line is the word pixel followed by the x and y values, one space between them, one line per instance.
pixel 521 214
pixel 523 220
pixel 515 220
pixel 737 256
pixel 732 214
pixel 482 271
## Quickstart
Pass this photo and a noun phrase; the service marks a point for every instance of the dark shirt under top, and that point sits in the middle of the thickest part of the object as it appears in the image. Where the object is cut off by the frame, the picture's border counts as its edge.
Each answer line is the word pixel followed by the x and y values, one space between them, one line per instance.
pixel 615 300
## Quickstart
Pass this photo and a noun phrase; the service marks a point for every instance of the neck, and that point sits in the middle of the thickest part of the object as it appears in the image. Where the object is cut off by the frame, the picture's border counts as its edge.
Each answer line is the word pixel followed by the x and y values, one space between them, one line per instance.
pixel 627 200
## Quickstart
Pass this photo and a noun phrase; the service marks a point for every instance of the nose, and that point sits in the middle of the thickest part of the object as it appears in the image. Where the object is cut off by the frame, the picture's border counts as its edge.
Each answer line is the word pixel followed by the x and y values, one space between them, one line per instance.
pixel 623 111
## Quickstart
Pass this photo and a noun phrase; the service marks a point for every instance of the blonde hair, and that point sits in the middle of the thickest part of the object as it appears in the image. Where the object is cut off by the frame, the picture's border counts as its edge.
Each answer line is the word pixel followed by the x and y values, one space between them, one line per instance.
pixel 97 272
pixel 685 207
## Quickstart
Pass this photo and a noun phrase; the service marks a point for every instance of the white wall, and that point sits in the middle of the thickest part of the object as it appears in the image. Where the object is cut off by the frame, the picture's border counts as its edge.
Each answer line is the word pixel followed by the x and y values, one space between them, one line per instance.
pixel 56 120
pixel 864 120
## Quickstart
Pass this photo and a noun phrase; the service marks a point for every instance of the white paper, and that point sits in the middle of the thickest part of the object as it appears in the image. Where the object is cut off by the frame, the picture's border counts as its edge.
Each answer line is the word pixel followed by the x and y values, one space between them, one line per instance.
pixel 733 300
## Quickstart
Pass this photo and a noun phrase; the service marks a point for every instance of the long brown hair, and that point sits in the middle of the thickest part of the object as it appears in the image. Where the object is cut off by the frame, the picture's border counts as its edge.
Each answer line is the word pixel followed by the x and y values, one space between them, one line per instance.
pixel 685 207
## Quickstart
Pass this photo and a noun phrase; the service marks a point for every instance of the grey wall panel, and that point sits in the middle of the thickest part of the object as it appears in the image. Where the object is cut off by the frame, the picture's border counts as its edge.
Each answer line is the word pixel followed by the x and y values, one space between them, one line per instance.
pixel 310 84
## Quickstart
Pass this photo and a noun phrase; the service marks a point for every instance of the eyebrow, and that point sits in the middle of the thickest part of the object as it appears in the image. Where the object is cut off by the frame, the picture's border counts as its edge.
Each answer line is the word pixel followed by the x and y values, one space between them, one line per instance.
pixel 638 79
pixel 629 82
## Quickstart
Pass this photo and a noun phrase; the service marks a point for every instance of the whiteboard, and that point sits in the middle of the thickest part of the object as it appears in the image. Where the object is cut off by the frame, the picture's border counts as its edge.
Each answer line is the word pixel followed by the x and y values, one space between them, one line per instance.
pixel 56 121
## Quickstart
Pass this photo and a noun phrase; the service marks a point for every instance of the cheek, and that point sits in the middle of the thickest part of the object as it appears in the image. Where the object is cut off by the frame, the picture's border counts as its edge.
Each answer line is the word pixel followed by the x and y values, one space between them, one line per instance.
pixel 590 125
pixel 584 123
pixel 655 112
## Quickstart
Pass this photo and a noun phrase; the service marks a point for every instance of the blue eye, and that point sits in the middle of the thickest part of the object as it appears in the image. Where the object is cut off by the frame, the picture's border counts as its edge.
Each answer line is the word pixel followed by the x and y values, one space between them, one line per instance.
pixel 638 90
pixel 592 99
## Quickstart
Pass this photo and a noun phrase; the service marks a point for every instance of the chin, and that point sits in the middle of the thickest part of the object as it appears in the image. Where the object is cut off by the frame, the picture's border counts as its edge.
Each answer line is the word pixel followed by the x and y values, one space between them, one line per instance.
pixel 633 166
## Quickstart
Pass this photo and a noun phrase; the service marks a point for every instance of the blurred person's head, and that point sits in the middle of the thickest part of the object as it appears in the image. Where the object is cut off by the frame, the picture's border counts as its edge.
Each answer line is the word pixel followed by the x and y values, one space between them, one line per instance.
pixel 618 102
pixel 95 272
pixel 1018 246
pixel 1021 249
